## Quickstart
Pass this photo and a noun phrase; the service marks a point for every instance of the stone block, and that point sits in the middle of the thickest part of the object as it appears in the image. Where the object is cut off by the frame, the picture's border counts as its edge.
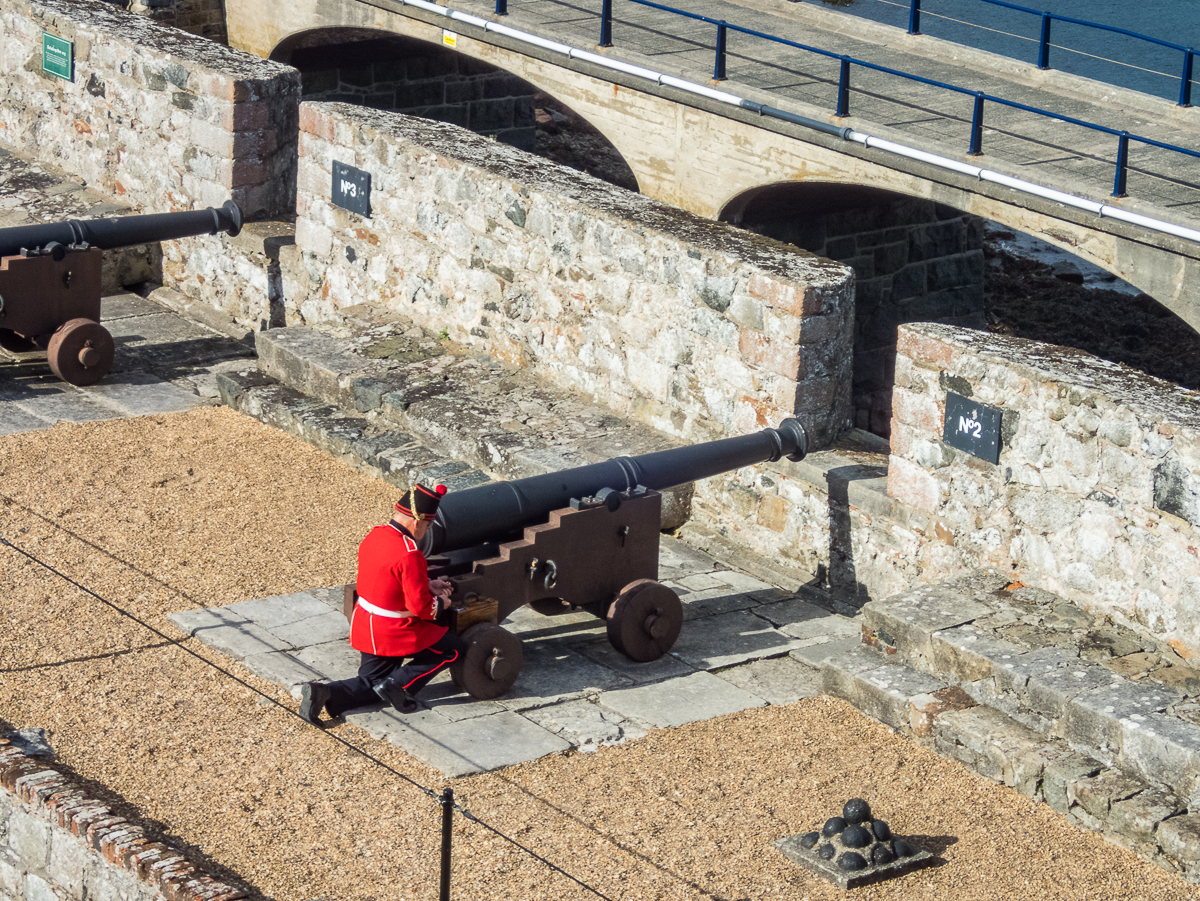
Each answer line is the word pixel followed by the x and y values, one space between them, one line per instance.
pixel 908 622
pixel 729 639
pixel 923 710
pixel 1062 773
pixel 912 485
pixel 1094 718
pixel 1139 816
pixel 986 741
pixel 1096 794
pixel 1050 694
pixel 968 654
pixel 1179 838
pixel 29 840
pixel 1163 749
pixel 886 692
pixel 776 681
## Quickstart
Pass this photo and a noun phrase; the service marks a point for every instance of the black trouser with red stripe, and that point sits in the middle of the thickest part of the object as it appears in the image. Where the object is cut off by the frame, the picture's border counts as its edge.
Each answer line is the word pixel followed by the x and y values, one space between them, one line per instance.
pixel 413 676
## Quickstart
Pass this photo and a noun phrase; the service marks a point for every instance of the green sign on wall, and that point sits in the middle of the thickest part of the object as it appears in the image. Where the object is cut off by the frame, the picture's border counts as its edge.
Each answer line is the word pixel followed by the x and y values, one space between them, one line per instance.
pixel 58 56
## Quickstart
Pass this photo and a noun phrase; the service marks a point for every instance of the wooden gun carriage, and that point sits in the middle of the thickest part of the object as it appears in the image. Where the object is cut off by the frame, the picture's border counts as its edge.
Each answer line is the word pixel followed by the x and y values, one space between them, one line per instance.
pixel 50 282
pixel 581 539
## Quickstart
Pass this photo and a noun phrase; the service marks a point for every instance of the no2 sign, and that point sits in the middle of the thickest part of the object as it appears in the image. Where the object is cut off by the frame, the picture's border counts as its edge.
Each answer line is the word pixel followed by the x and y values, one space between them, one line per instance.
pixel 972 427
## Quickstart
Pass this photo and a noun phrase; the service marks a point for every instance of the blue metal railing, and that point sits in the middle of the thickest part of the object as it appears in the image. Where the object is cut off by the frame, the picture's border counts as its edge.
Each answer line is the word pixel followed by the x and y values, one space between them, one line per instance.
pixel 1043 53
pixel 842 108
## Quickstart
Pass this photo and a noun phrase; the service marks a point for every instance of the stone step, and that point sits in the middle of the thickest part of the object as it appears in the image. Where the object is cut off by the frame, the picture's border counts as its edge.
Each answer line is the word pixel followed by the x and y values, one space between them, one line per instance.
pixel 461 407
pixel 1138 813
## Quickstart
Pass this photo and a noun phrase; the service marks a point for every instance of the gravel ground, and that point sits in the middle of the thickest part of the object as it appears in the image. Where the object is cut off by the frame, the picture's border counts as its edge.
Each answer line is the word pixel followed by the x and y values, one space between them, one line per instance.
pixel 168 513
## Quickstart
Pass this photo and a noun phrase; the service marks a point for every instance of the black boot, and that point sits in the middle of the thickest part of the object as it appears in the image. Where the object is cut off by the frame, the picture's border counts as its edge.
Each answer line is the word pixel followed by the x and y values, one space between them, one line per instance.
pixel 391 691
pixel 313 698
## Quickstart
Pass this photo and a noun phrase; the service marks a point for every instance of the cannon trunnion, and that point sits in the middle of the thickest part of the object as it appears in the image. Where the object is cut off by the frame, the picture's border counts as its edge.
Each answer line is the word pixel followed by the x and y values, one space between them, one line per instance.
pixel 50 283
pixel 584 539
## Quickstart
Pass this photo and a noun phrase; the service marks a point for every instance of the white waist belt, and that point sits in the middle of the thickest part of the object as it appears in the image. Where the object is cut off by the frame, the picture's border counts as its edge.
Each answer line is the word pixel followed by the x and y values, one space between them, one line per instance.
pixel 379 611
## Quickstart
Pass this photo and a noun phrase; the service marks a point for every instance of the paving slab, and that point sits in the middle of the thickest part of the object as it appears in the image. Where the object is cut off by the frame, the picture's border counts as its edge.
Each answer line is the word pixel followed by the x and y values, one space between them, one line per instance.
pixel 65 406
pixel 665 667
pixel 817 652
pixel 328 626
pixel 191 622
pixel 730 639
pixel 333 660
pixel 780 680
pixel 281 610
pixel 476 745
pixel 700 696
pixel 713 602
pixel 586 725
pixel 13 419
pixel 283 668
pixel 552 672
pixel 140 394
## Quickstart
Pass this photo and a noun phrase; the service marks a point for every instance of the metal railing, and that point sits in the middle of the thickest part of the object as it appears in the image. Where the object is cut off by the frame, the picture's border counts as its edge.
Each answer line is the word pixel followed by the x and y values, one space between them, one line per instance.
pixel 1043 41
pixel 845 64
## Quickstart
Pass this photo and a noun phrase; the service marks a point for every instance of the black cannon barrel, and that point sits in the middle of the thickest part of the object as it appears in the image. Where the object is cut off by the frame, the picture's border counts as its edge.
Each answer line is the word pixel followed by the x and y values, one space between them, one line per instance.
pixel 123 231
pixel 492 512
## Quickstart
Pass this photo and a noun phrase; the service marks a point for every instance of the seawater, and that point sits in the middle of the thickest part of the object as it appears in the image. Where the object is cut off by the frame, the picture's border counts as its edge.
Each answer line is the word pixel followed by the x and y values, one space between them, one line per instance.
pixel 1104 56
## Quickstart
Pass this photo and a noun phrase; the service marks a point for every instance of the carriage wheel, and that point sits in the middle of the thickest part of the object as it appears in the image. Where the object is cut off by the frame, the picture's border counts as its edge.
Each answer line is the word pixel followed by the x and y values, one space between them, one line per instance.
pixel 81 352
pixel 491 663
pixel 644 620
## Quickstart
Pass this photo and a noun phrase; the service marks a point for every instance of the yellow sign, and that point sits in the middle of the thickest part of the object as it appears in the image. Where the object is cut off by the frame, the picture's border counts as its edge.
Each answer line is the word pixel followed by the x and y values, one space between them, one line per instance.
pixel 449 38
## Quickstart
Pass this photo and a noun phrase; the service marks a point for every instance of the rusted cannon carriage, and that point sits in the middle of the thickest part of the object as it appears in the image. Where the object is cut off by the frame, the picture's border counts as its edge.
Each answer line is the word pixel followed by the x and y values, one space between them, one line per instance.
pixel 50 282
pixel 582 539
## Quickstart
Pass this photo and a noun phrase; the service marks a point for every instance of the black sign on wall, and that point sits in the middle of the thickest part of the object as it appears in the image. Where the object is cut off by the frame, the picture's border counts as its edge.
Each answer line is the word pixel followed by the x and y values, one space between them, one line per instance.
pixel 352 189
pixel 972 427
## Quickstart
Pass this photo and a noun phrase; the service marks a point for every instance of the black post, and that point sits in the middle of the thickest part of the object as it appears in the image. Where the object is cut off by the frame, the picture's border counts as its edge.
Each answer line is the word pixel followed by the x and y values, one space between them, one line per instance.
pixel 1185 85
pixel 447 803
pixel 719 65
pixel 606 23
pixel 843 101
pixel 1044 45
pixel 1122 161
pixel 914 17
pixel 977 127
pixel 502 7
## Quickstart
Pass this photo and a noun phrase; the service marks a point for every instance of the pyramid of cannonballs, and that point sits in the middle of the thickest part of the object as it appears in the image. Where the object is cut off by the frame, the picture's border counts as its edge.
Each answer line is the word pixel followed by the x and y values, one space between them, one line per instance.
pixel 853 848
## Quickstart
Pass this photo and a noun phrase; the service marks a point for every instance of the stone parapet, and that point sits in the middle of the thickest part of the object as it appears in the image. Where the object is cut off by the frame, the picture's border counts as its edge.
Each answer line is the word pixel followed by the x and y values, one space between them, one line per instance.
pixel 1095 496
pixel 160 119
pixel 696 328
pixel 58 843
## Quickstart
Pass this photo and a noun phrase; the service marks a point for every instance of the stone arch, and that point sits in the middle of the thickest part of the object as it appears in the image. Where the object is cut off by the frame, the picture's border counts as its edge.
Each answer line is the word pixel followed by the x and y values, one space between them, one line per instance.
pixel 914 261
pixel 400 73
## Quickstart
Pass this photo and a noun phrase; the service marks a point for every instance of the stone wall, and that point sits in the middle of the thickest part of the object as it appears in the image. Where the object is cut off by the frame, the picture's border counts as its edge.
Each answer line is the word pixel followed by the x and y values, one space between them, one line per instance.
pixel 1097 493
pixel 155 118
pixel 205 18
pixel 59 843
pixel 421 79
pixel 914 261
pixel 695 327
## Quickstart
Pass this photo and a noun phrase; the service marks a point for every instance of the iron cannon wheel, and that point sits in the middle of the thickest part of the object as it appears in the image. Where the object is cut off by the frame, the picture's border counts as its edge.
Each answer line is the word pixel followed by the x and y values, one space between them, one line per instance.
pixel 491 663
pixel 81 352
pixel 644 620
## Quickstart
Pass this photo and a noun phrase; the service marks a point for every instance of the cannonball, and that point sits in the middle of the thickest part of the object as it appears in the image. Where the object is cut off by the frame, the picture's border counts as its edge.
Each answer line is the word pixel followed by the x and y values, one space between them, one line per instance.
pixel 809 840
pixel 856 810
pixel 903 848
pixel 881 830
pixel 825 852
pixel 833 826
pixel 882 854
pixel 852 860
pixel 856 837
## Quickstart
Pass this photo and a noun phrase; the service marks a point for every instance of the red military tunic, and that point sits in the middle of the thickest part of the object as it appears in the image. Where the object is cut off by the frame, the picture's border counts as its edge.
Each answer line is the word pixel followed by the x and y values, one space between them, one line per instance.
pixel 393 578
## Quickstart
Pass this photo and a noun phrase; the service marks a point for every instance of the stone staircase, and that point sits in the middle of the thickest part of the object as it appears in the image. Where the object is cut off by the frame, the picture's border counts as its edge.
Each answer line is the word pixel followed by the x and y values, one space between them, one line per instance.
pixel 1029 690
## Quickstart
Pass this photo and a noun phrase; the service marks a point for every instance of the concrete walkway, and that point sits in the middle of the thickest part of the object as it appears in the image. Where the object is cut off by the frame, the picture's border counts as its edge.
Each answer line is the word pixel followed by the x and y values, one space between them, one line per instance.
pixel 744 644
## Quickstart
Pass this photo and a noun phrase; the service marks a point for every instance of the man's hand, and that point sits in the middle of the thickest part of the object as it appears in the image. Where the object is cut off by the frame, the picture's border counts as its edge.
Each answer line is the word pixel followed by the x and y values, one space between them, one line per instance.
pixel 441 589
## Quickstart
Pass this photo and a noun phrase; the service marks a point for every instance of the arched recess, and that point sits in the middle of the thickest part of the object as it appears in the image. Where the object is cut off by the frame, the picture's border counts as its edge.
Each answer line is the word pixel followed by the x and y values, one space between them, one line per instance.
pixel 399 73
pixel 914 261
pixel 917 260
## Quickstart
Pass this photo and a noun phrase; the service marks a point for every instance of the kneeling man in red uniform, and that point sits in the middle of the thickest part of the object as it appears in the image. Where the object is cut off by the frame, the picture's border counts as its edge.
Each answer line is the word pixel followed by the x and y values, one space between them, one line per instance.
pixel 393 618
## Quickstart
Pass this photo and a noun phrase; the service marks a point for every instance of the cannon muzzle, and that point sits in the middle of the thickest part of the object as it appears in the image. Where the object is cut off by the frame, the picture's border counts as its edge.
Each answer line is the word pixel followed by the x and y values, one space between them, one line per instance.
pixel 122 231
pixel 493 512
